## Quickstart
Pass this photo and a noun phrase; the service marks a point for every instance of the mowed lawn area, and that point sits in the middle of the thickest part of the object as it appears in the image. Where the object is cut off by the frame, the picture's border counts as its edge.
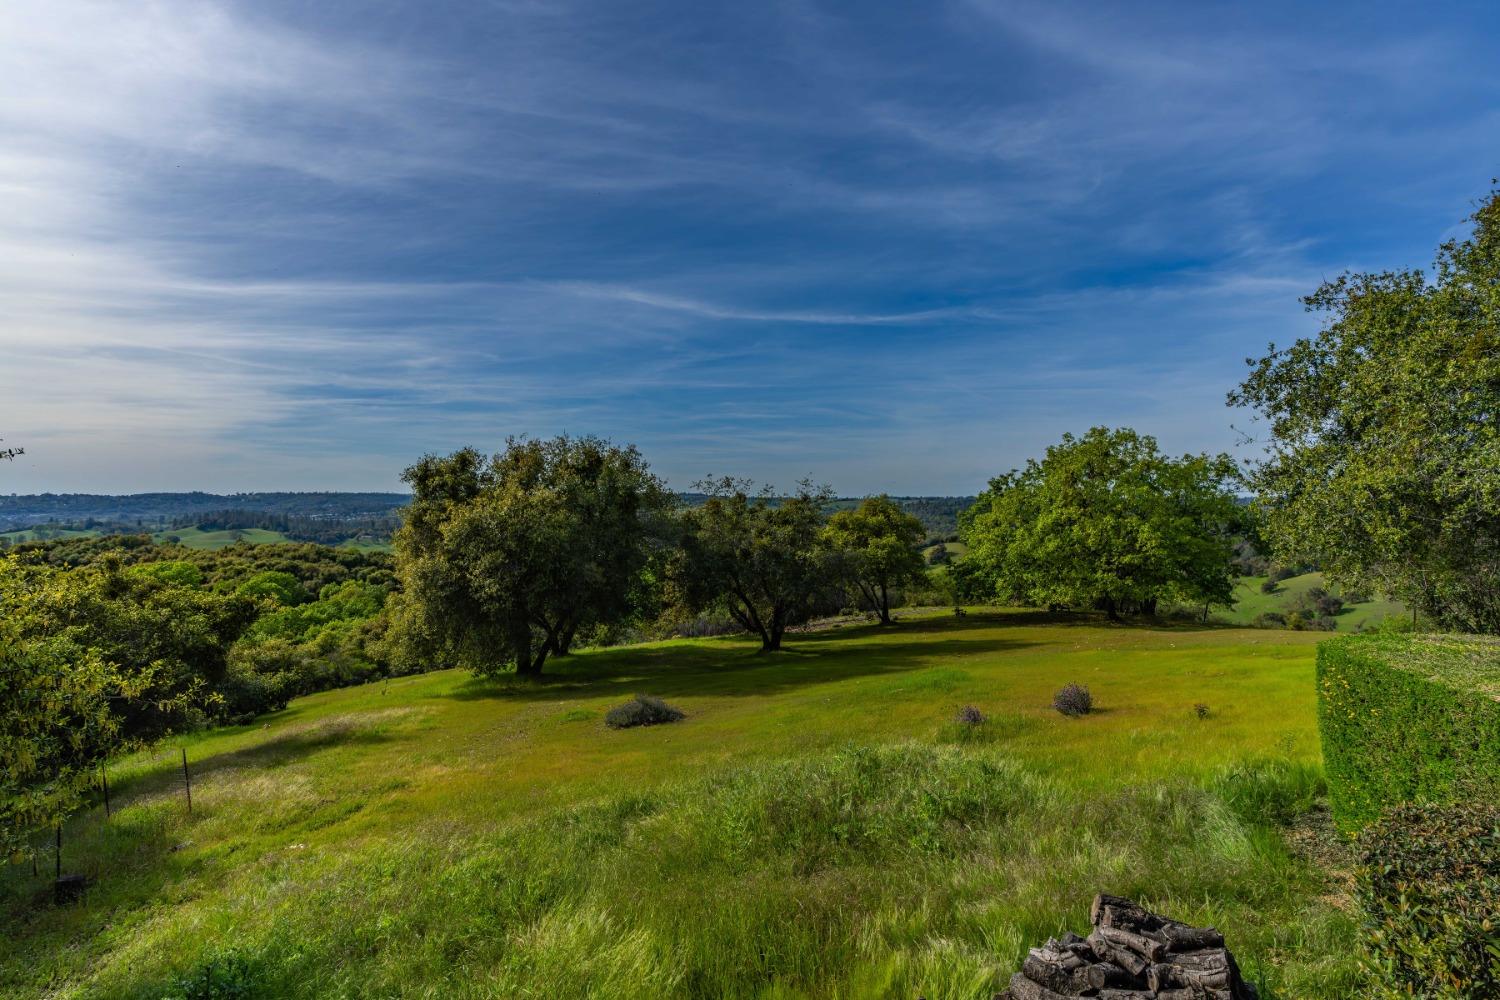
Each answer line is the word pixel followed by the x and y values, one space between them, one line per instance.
pixel 816 827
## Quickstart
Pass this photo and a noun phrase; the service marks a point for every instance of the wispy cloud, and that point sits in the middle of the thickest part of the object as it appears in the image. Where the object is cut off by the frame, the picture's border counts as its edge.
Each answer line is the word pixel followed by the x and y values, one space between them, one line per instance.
pixel 256 245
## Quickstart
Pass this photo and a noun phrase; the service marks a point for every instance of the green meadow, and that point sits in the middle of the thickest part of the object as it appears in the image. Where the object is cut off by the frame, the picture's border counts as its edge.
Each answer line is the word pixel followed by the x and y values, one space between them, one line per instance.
pixel 1250 603
pixel 45 534
pixel 817 826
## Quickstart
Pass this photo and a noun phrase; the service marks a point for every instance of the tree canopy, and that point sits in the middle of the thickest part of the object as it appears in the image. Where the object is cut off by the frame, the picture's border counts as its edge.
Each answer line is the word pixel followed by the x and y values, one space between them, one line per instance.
pixel 503 560
pixel 1105 520
pixel 1382 463
pixel 757 555
pixel 879 550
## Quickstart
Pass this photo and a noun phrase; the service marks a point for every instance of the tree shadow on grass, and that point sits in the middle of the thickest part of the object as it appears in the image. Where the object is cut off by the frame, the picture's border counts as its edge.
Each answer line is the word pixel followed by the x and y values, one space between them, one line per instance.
pixel 285 747
pixel 738 670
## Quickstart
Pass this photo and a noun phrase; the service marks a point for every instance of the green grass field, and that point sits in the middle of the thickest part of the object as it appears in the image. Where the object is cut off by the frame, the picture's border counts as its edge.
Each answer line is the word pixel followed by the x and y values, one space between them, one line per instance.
pixel 956 550
pixel 1250 603
pixel 46 534
pixel 198 538
pixel 816 827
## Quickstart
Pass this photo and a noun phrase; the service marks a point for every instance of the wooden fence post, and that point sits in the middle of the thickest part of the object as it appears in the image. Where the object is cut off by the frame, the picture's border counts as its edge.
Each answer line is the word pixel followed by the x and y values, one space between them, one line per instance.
pixel 187 781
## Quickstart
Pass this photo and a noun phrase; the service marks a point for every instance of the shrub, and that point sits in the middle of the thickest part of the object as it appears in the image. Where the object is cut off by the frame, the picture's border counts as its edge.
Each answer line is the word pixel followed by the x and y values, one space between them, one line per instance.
pixel 247 693
pixel 1279 573
pixel 1408 718
pixel 1326 604
pixel 1428 885
pixel 1269 586
pixel 1200 710
pixel 228 977
pixel 970 716
pixel 1073 700
pixel 644 710
pixel 1270 619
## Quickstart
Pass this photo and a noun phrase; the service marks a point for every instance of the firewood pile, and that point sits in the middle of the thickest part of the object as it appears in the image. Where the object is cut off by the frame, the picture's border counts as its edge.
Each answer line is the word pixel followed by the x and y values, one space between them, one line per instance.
pixel 1131 954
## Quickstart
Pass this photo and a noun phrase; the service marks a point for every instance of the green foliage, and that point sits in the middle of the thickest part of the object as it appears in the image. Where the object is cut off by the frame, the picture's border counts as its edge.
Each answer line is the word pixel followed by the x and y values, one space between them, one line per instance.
pixel 177 573
pixel 109 645
pixel 642 710
pixel 1428 884
pixel 1408 718
pixel 762 558
pixel 1383 464
pixel 879 547
pixel 226 977
pixel 171 642
pixel 337 603
pixel 56 723
pixel 1107 521
pixel 502 561
pixel 278 586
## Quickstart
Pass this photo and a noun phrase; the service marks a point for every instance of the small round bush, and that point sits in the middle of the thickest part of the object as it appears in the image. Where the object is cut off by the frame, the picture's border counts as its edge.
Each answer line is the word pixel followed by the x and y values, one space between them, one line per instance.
pixel 970 716
pixel 1073 700
pixel 644 710
pixel 1200 710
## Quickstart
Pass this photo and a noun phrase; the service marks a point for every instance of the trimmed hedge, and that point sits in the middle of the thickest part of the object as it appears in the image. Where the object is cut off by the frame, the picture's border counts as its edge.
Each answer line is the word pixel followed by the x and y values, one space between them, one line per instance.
pixel 1429 885
pixel 1408 718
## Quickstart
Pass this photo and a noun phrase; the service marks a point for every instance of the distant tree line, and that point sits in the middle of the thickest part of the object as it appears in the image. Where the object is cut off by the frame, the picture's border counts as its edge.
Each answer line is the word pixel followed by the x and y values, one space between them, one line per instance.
pixel 326 530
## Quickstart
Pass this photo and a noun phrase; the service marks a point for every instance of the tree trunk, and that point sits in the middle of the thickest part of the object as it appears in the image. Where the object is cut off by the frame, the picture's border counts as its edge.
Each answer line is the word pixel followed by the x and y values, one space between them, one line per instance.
pixel 561 640
pixel 528 662
pixel 1111 609
pixel 1148 608
pixel 885 605
pixel 770 638
pixel 747 616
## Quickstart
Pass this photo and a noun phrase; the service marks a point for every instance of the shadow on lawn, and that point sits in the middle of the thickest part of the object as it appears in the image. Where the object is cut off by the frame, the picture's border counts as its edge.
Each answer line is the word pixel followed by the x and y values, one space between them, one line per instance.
pixel 728 670
pixel 284 747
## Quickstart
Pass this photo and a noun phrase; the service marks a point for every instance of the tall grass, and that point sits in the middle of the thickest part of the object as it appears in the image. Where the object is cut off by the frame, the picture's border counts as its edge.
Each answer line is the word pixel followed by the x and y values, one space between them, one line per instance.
pixel 818 826
pixel 902 870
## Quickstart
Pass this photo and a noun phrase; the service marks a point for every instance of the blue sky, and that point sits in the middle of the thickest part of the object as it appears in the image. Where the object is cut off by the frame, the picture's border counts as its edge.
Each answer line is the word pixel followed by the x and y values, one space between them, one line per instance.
pixel 896 247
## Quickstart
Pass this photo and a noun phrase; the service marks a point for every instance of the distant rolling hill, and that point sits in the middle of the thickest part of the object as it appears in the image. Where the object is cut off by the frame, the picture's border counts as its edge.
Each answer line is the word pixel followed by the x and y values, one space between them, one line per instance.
pixel 1251 603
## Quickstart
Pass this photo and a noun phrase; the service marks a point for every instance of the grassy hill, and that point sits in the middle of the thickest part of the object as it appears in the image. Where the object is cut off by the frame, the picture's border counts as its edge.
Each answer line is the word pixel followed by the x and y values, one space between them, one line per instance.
pixel 1251 603
pixel 45 534
pixel 192 537
pixel 816 827
pixel 956 550
pixel 198 538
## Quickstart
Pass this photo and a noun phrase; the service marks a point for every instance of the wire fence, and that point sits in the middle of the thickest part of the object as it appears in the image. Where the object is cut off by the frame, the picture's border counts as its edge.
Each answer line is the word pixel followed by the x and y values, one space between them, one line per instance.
pixel 65 860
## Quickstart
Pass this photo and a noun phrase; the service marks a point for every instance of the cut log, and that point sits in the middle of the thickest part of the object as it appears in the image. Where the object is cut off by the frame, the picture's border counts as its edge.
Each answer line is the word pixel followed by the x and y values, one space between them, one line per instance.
pixel 1131 954
pixel 1118 954
pixel 1181 937
pixel 1102 975
pixel 1148 948
pixel 1211 986
pixel 1117 911
pixel 1022 988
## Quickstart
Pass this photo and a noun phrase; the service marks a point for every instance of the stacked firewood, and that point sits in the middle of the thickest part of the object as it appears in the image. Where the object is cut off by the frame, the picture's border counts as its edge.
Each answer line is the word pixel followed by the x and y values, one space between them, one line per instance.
pixel 1131 953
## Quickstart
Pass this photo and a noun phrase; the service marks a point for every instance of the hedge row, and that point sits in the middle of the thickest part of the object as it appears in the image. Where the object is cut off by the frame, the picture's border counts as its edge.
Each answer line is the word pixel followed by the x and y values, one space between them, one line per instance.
pixel 1429 883
pixel 1408 719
